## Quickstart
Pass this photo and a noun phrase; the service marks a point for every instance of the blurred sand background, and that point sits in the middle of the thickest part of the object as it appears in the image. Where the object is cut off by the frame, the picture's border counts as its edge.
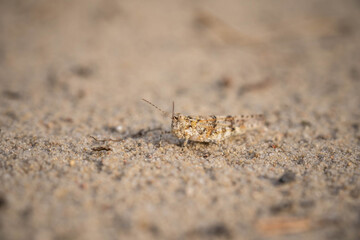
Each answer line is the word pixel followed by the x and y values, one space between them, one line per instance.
pixel 74 69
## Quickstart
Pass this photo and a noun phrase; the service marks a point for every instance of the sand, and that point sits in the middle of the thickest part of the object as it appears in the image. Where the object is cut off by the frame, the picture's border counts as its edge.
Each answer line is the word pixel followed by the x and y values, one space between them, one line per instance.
pixel 70 70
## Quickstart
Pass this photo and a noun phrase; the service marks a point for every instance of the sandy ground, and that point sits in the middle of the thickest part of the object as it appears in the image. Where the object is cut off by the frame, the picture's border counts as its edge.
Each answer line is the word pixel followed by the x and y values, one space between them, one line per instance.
pixel 74 69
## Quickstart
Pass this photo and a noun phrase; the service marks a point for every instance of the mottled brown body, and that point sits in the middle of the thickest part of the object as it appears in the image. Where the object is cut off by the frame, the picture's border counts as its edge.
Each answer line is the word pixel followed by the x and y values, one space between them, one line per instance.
pixel 211 128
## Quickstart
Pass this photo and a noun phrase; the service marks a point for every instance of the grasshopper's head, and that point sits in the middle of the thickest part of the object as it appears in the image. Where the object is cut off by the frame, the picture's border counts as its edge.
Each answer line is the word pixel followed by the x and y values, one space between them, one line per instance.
pixel 178 125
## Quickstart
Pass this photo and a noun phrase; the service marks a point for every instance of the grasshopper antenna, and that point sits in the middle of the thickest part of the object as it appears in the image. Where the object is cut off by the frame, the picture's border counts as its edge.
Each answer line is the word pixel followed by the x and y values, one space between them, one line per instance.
pixel 173 110
pixel 166 114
